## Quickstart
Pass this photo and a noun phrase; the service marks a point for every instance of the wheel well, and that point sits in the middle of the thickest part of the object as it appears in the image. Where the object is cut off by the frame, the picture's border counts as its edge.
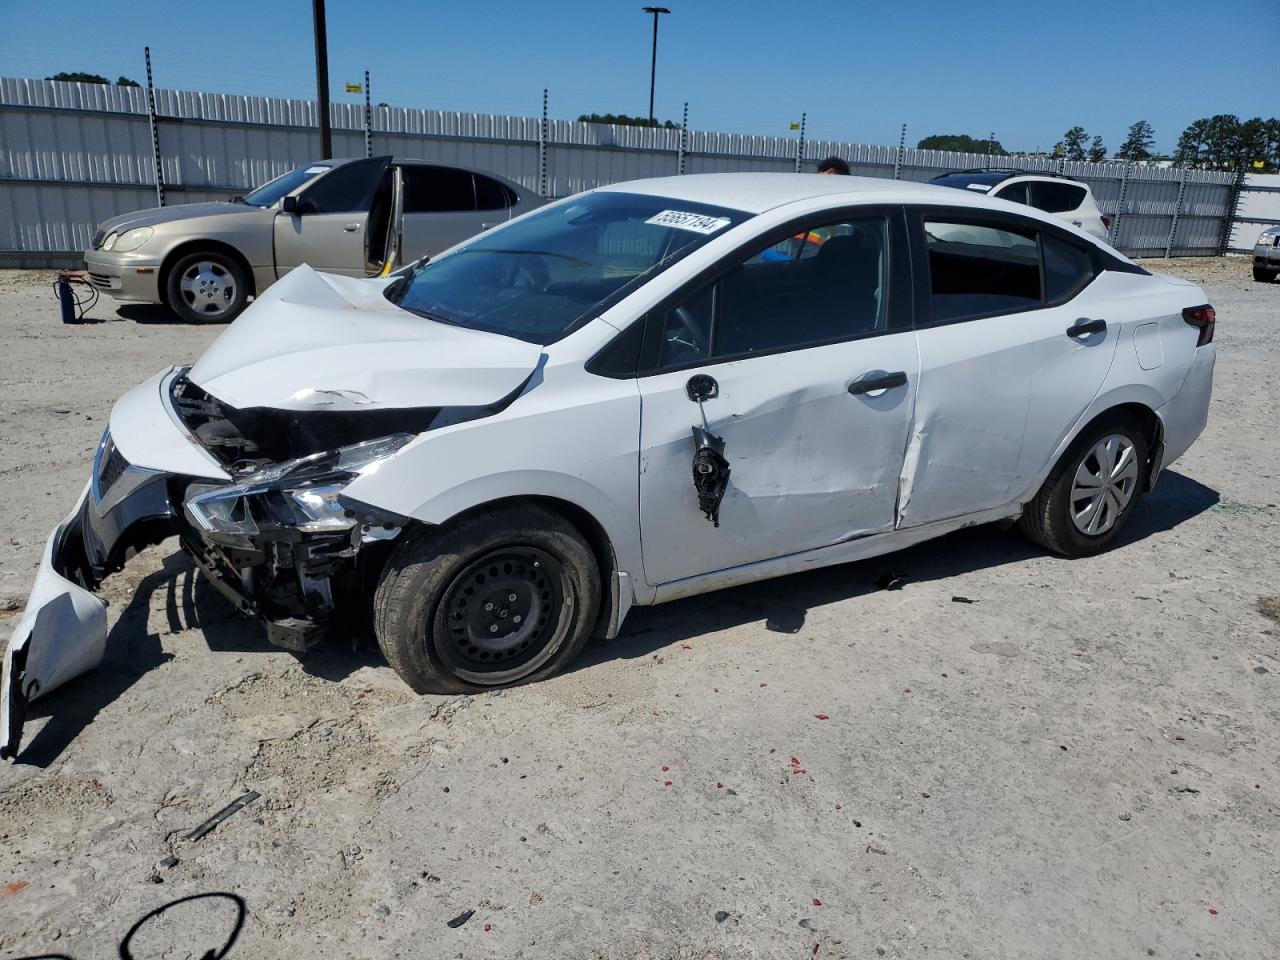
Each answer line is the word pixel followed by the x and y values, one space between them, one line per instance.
pixel 591 530
pixel 1152 427
pixel 191 246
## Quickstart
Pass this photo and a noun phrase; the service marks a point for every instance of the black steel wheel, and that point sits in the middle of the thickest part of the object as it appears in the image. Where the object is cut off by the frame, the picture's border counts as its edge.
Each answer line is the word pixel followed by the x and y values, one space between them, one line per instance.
pixel 501 597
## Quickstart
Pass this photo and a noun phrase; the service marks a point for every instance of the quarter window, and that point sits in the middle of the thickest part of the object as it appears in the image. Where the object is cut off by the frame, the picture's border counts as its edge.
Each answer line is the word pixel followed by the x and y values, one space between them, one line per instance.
pixel 437 189
pixel 976 270
pixel 1015 192
pixel 491 195
pixel 824 283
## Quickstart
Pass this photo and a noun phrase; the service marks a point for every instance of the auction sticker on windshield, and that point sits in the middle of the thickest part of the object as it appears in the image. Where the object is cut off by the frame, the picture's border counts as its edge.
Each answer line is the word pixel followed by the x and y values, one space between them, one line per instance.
pixel 683 220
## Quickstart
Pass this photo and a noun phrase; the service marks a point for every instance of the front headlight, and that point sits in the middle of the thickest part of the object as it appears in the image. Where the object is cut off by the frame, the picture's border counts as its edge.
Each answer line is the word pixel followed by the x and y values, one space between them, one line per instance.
pixel 110 242
pixel 1267 239
pixel 131 240
pixel 301 495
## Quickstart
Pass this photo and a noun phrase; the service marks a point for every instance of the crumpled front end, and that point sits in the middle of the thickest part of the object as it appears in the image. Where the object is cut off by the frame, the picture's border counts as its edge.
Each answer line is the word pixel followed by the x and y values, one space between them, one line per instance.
pixel 256 502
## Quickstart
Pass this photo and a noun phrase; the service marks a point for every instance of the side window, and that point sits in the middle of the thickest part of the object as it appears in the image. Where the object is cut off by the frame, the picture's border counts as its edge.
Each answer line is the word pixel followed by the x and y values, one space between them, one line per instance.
pixel 345 189
pixel 1055 197
pixel 824 283
pixel 1068 269
pixel 437 189
pixel 1014 192
pixel 491 195
pixel 976 270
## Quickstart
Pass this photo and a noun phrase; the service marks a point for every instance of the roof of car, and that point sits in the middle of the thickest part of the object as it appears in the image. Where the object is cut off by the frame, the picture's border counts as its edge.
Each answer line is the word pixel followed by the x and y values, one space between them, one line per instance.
pixel 990 177
pixel 758 192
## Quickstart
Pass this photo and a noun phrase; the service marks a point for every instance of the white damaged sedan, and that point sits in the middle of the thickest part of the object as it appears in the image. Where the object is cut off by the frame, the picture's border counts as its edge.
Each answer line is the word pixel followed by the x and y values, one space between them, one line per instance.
pixel 643 392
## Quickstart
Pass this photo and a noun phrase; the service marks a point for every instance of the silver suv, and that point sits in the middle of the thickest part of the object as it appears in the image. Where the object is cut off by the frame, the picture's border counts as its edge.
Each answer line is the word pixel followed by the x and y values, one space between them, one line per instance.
pixel 1266 255
pixel 1066 199
pixel 354 217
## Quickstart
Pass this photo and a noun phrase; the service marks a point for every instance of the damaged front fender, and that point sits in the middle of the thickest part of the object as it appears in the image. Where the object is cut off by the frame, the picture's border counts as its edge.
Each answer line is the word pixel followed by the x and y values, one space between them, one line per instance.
pixel 62 633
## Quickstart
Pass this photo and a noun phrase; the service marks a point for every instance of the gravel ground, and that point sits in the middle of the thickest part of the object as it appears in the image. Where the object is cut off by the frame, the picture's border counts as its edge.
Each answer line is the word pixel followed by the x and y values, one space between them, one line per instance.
pixel 1085 762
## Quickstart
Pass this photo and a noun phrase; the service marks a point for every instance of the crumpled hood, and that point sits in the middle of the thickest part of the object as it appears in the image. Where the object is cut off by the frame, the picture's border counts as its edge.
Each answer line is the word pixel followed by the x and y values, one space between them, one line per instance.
pixel 322 342
pixel 181 211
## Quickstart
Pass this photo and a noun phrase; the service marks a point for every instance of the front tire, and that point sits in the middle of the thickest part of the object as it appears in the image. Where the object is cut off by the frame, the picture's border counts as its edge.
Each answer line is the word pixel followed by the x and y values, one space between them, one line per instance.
pixel 207 287
pixel 1090 494
pixel 508 596
pixel 1263 275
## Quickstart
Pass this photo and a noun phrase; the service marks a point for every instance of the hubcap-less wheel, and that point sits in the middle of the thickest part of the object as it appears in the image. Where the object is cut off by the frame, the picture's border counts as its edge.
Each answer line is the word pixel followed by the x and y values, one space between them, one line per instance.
pixel 501 612
pixel 208 289
pixel 1104 484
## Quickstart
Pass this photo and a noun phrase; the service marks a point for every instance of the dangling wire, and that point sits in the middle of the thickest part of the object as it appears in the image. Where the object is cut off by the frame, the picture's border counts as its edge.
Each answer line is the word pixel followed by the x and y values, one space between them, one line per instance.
pixel 83 304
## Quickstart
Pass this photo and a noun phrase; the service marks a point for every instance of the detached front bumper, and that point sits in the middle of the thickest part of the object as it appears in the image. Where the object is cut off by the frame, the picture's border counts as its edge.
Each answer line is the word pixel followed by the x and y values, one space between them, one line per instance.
pixel 63 631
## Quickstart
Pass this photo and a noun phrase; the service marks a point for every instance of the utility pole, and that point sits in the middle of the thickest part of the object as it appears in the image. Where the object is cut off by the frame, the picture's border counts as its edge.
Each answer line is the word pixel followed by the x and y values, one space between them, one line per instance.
pixel 653 63
pixel 322 78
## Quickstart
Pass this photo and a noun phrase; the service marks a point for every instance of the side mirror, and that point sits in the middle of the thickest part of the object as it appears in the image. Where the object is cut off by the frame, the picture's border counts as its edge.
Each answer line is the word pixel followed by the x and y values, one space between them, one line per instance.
pixel 291 204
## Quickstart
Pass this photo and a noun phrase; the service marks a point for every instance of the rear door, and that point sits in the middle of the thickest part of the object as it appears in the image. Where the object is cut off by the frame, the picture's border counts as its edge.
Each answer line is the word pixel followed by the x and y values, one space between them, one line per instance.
pixel 808 343
pixel 1012 351
pixel 440 209
pixel 329 228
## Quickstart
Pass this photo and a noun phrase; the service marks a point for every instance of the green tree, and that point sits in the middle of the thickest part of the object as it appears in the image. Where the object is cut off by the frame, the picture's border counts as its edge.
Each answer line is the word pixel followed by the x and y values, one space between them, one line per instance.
pixel 1190 149
pixel 1137 145
pixel 961 143
pixel 1073 142
pixel 1097 152
pixel 78 76
pixel 626 120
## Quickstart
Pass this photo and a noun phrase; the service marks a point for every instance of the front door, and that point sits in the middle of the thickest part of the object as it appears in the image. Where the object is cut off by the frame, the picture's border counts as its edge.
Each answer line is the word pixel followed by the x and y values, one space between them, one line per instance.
pixel 1011 354
pixel 329 230
pixel 814 368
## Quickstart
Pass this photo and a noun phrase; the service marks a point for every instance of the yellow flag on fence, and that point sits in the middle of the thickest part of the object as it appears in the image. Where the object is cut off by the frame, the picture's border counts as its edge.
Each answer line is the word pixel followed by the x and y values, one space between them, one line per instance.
pixel 1258 164
pixel 355 88
pixel 793 126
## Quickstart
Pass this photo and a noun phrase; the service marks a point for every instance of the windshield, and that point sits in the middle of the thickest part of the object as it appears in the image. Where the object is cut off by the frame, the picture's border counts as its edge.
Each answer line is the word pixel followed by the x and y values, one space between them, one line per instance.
pixel 537 279
pixel 270 193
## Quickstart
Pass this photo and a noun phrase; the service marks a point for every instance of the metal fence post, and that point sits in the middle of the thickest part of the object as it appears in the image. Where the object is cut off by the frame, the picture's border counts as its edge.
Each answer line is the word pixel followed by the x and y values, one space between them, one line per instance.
pixel 1124 190
pixel 155 130
pixel 368 118
pixel 800 145
pixel 902 146
pixel 1233 207
pixel 542 147
pixel 684 133
pixel 1177 212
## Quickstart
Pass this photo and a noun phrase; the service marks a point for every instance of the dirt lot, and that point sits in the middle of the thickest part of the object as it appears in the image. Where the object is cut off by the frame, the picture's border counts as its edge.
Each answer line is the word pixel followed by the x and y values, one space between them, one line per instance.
pixel 1085 762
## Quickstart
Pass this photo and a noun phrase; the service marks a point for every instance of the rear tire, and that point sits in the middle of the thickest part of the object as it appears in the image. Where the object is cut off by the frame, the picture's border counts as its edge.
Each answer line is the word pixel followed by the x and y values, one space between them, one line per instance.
pixel 207 287
pixel 1263 275
pixel 1090 494
pixel 508 596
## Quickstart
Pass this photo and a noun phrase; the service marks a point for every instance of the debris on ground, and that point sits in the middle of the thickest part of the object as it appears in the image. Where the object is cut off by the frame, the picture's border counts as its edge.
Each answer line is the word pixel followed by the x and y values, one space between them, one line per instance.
pixel 891 581
pixel 461 918
pixel 238 803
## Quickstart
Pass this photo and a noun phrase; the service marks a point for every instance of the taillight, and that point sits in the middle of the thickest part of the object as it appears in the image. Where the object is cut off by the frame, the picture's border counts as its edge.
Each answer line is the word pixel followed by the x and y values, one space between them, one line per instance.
pixel 1106 221
pixel 1204 318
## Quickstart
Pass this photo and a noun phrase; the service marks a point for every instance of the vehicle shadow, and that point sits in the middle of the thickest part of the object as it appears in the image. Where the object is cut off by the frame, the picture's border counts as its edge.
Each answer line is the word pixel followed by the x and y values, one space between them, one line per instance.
pixel 783 603
pixel 155 314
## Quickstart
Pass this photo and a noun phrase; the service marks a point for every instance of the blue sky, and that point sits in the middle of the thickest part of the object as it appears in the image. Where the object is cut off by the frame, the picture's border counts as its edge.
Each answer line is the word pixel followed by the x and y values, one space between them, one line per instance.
pixel 1027 70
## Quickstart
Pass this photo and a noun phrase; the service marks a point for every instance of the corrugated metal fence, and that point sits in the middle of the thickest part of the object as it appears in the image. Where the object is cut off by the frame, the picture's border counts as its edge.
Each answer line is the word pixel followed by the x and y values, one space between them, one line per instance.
pixel 72 155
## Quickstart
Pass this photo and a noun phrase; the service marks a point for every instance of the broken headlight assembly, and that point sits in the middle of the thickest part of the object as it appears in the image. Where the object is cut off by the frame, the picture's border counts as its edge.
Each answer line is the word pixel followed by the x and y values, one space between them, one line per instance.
pixel 302 495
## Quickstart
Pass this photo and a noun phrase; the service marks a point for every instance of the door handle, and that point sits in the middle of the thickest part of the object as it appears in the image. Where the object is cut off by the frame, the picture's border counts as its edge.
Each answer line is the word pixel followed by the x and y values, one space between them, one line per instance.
pixel 350 227
pixel 1084 327
pixel 886 382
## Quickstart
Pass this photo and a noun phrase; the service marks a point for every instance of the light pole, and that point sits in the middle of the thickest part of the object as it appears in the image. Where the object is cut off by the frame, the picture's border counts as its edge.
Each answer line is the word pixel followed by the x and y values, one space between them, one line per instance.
pixel 653 63
pixel 322 78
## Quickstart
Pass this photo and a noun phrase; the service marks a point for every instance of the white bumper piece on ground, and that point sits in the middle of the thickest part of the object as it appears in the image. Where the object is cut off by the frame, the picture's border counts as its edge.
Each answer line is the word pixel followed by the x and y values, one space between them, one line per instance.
pixel 62 634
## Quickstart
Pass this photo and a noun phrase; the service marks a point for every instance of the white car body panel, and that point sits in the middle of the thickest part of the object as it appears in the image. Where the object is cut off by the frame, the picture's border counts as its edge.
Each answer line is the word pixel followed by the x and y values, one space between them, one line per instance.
pixel 818 476
pixel 315 342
